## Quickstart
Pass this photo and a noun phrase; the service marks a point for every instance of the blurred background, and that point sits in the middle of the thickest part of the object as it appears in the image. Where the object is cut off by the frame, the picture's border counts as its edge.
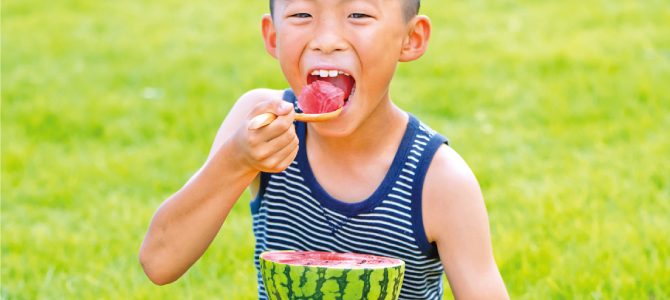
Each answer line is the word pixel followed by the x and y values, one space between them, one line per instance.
pixel 561 108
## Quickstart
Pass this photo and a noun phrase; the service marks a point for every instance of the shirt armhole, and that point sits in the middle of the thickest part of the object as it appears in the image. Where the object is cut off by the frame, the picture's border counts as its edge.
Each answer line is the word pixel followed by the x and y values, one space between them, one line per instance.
pixel 427 248
pixel 255 204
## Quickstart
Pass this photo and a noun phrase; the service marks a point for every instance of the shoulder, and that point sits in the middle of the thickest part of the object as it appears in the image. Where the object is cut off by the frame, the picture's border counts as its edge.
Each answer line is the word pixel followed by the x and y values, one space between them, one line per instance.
pixel 451 194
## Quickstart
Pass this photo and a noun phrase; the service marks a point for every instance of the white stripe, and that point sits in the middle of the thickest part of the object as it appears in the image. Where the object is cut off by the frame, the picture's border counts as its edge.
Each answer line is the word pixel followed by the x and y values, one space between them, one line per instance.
pixel 429 267
pixel 304 243
pixel 410 164
pixel 293 211
pixel 382 217
pixel 386 201
pixel 366 229
pixel 282 180
pixel 279 246
pixel 401 198
pixel 417 147
pixel 421 143
pixel 394 211
pixel 416 152
pixel 419 282
pixel 378 247
pixel 402 191
pixel 294 176
pixel 436 262
pixel 307 240
pixel 311 218
pixel 406 178
pixel 405 185
pixel 313 203
pixel 416 273
pixel 416 288
pixel 323 233
pixel 421 136
pixel 408 171
pixel 342 218
pixel 350 231
pixel 413 158
pixel 402 229
pixel 277 195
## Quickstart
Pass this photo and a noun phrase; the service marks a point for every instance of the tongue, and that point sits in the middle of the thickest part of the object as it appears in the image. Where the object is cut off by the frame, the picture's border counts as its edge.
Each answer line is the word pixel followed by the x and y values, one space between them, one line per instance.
pixel 321 97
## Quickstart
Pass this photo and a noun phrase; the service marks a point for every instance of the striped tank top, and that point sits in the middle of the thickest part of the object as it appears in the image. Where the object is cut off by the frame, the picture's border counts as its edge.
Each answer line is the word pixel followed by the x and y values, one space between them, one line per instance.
pixel 293 212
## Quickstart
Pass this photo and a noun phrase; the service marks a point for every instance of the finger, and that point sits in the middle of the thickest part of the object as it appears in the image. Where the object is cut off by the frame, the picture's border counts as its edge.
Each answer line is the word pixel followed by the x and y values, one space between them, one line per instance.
pixel 264 149
pixel 290 158
pixel 282 140
pixel 280 160
pixel 279 126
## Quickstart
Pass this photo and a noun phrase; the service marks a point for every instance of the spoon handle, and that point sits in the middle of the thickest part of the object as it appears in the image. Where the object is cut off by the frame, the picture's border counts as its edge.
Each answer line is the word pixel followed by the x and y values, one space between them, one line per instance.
pixel 266 118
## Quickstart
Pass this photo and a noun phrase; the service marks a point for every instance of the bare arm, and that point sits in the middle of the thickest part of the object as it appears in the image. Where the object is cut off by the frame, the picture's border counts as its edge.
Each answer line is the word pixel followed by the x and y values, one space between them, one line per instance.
pixel 455 219
pixel 187 222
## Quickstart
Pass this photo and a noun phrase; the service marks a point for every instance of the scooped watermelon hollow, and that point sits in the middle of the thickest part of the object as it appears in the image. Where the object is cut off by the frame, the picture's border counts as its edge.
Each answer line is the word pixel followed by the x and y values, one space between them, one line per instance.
pixel 327 275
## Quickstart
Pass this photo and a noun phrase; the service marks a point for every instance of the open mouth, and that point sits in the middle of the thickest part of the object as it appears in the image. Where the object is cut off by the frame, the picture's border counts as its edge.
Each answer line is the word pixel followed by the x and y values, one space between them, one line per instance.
pixel 338 78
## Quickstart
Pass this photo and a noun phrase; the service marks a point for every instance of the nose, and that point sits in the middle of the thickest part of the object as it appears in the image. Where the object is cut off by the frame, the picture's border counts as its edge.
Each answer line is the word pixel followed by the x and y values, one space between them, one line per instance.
pixel 327 37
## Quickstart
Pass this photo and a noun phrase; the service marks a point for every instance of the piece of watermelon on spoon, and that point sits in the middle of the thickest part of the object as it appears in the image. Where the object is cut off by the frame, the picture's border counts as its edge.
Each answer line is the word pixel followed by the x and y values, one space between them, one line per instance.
pixel 320 101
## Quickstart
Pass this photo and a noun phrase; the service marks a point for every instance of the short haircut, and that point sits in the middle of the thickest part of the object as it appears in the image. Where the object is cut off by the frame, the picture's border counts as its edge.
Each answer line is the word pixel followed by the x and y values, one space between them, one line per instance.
pixel 411 8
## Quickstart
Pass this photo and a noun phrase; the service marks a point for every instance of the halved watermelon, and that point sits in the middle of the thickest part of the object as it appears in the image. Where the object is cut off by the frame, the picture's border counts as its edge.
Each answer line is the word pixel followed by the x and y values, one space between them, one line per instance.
pixel 327 275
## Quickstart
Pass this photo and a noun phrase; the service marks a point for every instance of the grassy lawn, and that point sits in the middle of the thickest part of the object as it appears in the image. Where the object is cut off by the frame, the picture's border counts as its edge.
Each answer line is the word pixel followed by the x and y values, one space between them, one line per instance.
pixel 562 109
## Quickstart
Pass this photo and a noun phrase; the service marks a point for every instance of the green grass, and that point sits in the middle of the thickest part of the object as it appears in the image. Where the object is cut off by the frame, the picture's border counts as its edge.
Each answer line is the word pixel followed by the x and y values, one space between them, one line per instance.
pixel 562 109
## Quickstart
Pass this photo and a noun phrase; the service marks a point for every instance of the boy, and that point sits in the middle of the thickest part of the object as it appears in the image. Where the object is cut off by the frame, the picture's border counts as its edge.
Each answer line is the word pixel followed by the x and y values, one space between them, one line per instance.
pixel 373 180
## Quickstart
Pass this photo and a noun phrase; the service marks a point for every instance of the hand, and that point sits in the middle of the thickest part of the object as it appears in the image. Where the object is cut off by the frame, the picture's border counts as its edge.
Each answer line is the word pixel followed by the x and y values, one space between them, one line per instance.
pixel 271 148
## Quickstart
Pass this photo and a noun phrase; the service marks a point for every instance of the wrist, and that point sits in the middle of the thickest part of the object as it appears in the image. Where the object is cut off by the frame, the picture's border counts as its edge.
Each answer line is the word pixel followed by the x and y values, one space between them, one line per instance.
pixel 228 159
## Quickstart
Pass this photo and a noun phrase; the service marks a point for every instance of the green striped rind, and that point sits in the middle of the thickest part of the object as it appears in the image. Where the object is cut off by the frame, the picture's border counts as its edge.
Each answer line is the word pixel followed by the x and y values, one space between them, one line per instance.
pixel 283 282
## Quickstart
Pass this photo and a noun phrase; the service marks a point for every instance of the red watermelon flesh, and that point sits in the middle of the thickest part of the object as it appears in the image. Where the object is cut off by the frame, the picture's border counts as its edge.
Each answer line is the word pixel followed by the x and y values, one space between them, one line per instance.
pixel 330 259
pixel 320 97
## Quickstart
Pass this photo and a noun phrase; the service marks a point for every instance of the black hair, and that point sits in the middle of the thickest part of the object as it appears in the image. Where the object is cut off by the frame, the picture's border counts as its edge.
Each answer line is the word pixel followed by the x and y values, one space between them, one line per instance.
pixel 411 8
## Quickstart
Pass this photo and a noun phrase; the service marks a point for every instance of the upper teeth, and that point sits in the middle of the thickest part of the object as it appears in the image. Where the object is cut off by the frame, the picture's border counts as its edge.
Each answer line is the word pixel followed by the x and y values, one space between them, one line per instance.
pixel 328 73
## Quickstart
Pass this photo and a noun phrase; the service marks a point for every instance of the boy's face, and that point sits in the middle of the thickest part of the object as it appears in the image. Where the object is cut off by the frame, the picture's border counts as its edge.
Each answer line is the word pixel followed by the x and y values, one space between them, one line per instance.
pixel 362 38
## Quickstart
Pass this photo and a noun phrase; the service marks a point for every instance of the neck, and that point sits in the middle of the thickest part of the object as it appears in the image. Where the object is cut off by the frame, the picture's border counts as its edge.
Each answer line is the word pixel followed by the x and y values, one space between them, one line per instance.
pixel 370 138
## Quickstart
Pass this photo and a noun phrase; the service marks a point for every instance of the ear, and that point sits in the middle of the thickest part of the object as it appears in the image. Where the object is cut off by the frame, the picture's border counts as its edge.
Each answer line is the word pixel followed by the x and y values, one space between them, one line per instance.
pixel 269 35
pixel 416 42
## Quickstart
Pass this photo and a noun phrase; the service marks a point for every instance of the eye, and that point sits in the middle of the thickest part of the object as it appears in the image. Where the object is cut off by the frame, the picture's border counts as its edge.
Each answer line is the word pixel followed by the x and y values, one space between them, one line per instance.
pixel 301 15
pixel 359 16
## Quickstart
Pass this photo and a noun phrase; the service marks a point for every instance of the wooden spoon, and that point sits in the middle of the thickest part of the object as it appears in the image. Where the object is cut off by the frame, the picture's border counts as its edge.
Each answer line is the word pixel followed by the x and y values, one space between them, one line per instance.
pixel 267 118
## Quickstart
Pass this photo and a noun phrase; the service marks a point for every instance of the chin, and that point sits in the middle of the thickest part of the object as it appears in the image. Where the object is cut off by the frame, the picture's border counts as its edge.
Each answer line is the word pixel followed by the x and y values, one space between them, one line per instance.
pixel 338 128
